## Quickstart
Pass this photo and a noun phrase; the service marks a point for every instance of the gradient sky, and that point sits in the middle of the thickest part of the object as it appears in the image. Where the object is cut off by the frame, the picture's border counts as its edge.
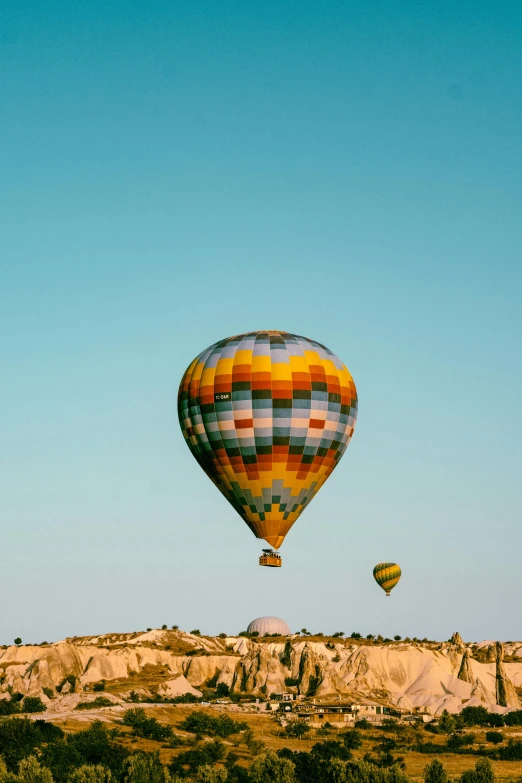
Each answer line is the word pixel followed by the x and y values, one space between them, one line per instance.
pixel 172 173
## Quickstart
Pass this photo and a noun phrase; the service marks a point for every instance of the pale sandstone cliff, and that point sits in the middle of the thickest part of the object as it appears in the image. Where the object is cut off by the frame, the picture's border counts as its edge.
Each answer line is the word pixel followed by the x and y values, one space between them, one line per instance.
pixel 410 675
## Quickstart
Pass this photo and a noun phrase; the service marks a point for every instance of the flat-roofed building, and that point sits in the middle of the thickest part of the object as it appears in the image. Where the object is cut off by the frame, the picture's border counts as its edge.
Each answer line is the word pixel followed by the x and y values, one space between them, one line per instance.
pixel 339 713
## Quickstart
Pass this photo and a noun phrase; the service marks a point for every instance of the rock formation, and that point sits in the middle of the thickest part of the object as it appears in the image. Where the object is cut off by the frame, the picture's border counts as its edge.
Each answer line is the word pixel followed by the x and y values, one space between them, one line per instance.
pixel 466 671
pixel 505 690
pixel 429 676
pixel 456 639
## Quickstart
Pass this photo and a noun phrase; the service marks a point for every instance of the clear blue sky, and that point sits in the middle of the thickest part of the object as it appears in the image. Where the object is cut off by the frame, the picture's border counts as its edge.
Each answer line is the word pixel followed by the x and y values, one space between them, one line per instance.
pixel 172 173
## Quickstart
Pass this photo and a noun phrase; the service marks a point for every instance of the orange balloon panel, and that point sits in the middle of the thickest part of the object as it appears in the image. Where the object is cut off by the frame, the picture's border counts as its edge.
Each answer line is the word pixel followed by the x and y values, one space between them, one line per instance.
pixel 268 415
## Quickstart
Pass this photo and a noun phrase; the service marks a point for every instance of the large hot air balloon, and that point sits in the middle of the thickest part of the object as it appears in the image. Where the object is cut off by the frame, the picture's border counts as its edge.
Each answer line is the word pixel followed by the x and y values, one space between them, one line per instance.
pixel 387 576
pixel 267 415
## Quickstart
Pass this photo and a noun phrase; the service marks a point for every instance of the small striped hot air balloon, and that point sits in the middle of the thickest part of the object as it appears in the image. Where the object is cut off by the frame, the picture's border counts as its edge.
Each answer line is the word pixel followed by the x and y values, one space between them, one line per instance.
pixel 387 576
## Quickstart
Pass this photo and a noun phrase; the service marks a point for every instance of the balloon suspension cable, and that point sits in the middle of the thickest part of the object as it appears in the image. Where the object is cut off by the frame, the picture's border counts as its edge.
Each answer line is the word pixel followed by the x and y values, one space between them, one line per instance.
pixel 270 558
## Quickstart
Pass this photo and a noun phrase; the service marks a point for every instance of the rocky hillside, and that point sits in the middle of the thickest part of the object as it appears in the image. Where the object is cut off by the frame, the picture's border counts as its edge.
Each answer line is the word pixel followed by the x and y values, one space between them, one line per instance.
pixel 434 676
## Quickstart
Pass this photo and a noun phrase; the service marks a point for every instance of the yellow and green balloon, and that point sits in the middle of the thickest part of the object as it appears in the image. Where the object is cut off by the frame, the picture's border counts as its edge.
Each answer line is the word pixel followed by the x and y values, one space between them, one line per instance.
pixel 387 576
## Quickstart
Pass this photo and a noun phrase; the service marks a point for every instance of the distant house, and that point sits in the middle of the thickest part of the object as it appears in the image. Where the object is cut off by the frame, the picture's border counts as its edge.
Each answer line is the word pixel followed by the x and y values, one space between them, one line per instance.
pixel 337 713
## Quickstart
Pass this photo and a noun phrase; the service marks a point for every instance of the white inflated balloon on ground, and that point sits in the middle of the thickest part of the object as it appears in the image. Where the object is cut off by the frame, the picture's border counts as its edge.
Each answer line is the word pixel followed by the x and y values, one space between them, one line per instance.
pixel 268 625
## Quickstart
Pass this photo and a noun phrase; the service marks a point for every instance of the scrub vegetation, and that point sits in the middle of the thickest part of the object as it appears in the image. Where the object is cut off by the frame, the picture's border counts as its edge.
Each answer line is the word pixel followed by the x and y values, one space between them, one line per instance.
pixel 171 744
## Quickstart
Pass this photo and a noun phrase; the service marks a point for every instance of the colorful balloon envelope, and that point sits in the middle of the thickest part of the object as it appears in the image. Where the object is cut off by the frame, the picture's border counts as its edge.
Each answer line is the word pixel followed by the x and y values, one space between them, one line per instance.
pixel 268 415
pixel 387 576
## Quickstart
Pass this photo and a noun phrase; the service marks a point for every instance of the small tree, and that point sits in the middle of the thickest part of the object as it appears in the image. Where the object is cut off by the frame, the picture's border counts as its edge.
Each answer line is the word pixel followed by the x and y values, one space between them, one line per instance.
pixel 484 771
pixel 435 773
pixel 270 768
pixel 446 723
pixel 222 690
pixel 352 739
pixel 254 746
pixel 196 632
pixel 33 704
pixel 145 768
pixel 208 774
pixel 494 736
pixel 355 635
pixel 163 627
pixel 174 627
pixel 90 773
pixel 31 771
pixel 297 728
pixel 18 641
pixel 397 637
pixel 370 636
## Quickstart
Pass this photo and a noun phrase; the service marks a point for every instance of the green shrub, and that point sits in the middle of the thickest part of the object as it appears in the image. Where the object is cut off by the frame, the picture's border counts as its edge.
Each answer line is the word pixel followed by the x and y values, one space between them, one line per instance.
pixel 435 773
pixel 100 701
pixel 430 748
pixel 99 686
pixel 49 692
pixel 512 752
pixel 475 716
pixel 272 768
pixel 21 737
pixel 495 737
pixel 145 768
pixel 483 773
pixel 331 749
pixel 33 704
pixel 149 728
pixel 291 681
pixel 219 726
pixel 222 690
pixel 9 707
pixel 208 774
pixel 254 746
pixel 208 753
pixel 91 773
pixel 458 741
pixel 95 746
pixel 512 718
pixel 297 728
pixel 446 723
pixel 31 771
pixel 352 739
